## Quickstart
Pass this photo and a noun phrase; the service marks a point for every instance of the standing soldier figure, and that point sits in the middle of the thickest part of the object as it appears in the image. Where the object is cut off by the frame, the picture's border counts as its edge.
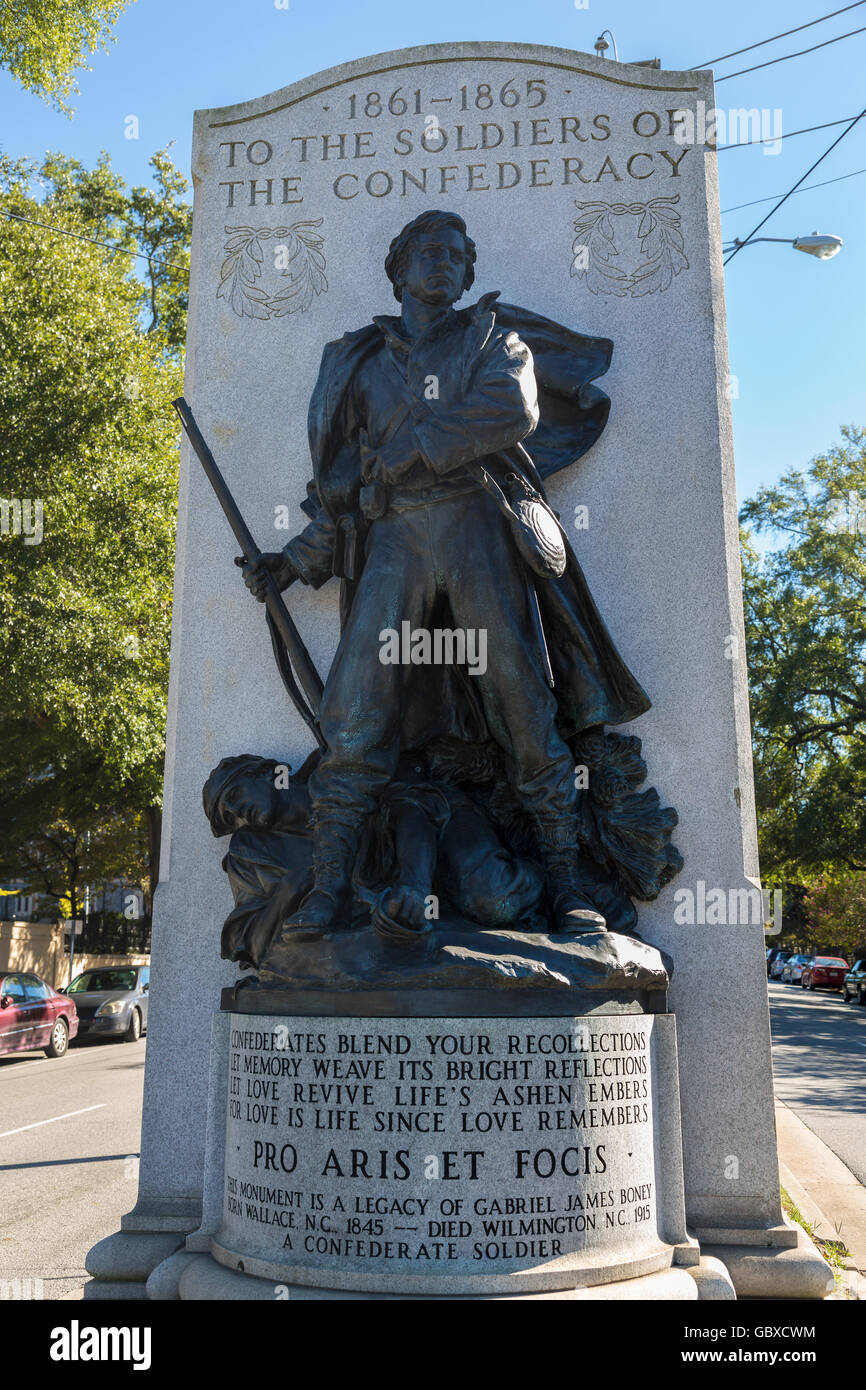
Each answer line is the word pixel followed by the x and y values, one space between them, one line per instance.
pixel 432 512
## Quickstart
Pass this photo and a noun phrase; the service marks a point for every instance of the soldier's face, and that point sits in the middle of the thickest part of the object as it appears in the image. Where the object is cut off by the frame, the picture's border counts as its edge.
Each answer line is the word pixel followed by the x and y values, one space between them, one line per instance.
pixel 437 267
pixel 251 801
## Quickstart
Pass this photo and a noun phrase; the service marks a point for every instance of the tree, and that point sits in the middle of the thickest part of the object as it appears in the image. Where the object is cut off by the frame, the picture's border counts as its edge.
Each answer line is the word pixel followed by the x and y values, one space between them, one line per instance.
pixel 88 478
pixel 805 606
pixel 62 825
pixel 836 910
pixel 44 42
pixel 152 224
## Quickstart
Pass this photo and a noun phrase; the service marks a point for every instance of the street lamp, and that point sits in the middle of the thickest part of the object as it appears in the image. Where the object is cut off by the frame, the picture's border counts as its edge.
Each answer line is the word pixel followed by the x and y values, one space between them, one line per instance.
pixel 602 45
pixel 815 245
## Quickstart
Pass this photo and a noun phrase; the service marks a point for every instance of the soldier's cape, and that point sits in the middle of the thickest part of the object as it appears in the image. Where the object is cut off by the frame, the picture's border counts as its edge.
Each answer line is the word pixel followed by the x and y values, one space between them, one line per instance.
pixel 593 685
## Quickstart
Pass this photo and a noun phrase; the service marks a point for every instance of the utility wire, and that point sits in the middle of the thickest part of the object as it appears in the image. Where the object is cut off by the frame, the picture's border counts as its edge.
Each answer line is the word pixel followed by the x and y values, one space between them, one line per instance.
pixel 823 184
pixel 737 51
pixel 770 139
pixel 786 56
pixel 181 270
pixel 837 141
pixel 122 250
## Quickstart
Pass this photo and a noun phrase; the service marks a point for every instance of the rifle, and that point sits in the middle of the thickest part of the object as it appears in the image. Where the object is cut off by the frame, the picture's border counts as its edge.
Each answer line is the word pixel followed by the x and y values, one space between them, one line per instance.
pixel 288 645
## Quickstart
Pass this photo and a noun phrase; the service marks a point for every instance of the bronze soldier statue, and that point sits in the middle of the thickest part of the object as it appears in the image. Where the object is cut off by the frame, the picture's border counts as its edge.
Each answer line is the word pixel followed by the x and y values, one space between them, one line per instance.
pixel 431 433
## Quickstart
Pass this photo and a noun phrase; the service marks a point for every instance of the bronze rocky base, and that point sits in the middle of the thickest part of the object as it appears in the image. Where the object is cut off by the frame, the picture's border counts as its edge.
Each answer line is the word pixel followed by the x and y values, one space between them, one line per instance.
pixel 355 970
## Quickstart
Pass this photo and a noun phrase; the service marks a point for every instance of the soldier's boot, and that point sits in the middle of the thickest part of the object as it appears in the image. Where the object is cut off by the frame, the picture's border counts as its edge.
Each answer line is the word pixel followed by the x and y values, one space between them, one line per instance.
pixel 571 908
pixel 329 901
pixel 618 910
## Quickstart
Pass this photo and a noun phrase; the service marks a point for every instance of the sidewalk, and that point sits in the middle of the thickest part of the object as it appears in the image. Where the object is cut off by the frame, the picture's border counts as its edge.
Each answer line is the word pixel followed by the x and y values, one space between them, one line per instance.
pixel 826 1192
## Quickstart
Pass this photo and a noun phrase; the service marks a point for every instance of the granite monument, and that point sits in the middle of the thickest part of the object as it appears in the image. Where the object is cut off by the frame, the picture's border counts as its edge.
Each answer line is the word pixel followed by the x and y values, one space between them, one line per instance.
pixel 478 981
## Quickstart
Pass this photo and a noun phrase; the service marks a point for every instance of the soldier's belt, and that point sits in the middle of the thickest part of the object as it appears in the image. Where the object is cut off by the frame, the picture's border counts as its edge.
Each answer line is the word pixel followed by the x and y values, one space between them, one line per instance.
pixel 376 498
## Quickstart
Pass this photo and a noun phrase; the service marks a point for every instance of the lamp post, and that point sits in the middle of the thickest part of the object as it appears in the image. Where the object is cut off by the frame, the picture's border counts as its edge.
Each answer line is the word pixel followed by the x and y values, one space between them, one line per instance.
pixel 602 45
pixel 815 245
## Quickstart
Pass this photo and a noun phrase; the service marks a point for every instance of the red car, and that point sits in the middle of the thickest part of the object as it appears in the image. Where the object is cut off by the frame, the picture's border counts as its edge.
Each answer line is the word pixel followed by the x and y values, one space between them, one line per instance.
pixel 824 972
pixel 33 1016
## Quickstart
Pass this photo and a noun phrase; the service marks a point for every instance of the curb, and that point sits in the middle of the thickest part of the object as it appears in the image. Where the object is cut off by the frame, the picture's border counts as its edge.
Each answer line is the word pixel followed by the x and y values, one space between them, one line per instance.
pixel 826 1192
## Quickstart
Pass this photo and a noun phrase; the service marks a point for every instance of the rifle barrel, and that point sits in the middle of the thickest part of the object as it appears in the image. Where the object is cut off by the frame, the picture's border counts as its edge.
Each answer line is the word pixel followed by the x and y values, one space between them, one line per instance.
pixel 308 676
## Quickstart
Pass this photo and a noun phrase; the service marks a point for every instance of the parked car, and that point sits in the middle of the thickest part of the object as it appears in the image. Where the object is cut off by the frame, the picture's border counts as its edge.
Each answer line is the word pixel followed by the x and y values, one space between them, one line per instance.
pixel 854 983
pixel 778 965
pixel 34 1016
pixel 112 1001
pixel 793 969
pixel 824 972
pixel 773 954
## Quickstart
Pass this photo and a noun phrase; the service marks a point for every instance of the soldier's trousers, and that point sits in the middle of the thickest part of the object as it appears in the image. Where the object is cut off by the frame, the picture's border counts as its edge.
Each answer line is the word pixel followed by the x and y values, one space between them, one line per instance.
pixel 461 549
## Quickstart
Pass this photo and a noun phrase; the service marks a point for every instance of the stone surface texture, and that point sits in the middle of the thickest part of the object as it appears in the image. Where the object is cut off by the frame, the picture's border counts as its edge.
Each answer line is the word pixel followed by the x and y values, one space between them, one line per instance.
pixel 713 1280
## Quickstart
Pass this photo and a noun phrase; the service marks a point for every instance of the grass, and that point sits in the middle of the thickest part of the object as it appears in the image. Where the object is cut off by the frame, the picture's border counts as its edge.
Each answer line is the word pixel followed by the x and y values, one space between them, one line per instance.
pixel 835 1252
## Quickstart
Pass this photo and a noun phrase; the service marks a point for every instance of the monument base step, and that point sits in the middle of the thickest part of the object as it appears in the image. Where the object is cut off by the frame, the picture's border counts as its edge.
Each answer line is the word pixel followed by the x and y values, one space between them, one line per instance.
pixel 114 1291
pixel 201 1278
pixel 121 1263
pixel 725 1272
pixel 162 1285
pixel 776 1272
pixel 131 1255
pixel 713 1281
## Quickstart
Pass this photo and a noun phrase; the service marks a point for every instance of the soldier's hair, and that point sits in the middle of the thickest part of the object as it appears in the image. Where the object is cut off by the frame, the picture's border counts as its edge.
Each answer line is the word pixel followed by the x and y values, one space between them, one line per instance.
pixel 401 247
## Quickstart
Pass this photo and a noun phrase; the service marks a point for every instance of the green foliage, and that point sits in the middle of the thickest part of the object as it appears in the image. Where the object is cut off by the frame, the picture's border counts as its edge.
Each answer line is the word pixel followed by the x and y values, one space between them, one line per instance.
pixel 152 221
pixel 836 909
pixel 87 431
pixel 805 606
pixel 44 42
pixel 161 224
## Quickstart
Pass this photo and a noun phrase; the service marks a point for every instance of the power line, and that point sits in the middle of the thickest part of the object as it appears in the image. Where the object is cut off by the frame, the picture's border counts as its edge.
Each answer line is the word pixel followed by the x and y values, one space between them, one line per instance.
pixel 786 56
pixel 770 139
pixel 823 184
pixel 61 231
pixel 837 141
pixel 737 51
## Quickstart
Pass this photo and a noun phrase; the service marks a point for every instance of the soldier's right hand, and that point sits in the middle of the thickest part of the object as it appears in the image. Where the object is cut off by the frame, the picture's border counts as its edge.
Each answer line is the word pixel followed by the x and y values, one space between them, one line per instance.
pixel 271 562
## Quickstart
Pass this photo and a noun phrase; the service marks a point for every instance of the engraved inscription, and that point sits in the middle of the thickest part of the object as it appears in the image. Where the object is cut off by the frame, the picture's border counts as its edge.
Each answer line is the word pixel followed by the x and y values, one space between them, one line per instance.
pixel 470 1145
pixel 497 136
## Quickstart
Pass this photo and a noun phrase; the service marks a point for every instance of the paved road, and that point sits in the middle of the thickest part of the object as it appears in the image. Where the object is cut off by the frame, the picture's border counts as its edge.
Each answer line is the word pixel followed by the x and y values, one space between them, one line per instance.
pixel 819 1058
pixel 66 1182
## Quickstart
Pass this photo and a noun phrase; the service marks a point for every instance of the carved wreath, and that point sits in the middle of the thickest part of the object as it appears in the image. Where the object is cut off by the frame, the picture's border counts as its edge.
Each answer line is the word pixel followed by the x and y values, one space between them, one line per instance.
pixel 297 258
pixel 660 240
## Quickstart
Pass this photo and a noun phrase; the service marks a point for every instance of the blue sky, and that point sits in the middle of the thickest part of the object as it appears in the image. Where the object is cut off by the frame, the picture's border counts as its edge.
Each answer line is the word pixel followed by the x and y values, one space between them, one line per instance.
pixel 795 324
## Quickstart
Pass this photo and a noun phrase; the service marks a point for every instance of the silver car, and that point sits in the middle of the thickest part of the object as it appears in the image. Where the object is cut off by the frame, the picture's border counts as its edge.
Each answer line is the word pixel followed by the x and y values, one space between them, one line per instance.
pixel 111 1001
pixel 793 969
pixel 778 965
